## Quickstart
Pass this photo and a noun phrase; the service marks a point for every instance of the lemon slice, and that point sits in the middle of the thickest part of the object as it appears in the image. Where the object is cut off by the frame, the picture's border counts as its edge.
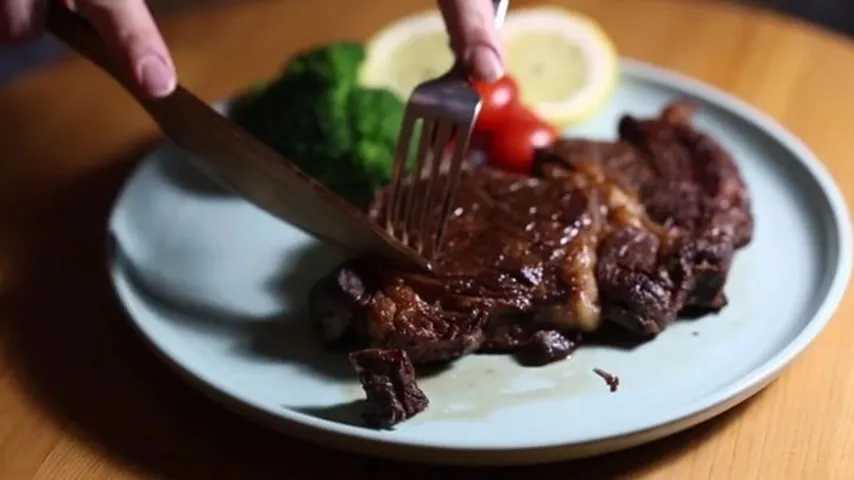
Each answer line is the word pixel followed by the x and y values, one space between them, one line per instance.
pixel 565 65
pixel 407 52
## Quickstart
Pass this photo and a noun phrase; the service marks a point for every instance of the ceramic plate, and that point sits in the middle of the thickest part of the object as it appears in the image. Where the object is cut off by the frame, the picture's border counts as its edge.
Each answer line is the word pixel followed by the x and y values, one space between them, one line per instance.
pixel 219 288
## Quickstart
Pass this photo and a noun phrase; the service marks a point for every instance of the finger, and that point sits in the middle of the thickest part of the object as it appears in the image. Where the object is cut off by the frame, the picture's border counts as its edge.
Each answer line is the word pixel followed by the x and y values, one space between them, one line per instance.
pixel 21 19
pixel 475 42
pixel 127 27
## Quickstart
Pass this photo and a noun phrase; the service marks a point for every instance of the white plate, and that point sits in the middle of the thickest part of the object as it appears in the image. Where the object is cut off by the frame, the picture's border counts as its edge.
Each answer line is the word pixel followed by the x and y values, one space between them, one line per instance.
pixel 218 287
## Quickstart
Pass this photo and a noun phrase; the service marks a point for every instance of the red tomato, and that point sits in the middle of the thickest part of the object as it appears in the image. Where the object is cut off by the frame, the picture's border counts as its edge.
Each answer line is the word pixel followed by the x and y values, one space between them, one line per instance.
pixel 498 97
pixel 513 144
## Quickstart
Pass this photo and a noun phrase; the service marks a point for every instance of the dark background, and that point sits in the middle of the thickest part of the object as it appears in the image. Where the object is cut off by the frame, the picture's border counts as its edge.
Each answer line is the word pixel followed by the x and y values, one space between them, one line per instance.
pixel 834 14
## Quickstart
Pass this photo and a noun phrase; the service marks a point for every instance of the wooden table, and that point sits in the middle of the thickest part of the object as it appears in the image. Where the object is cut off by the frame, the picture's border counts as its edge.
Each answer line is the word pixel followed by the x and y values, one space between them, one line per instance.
pixel 82 397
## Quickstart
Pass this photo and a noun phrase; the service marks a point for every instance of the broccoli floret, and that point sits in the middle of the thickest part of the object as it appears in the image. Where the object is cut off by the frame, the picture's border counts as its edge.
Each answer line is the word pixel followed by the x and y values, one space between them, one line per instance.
pixel 316 115
pixel 335 64
pixel 375 117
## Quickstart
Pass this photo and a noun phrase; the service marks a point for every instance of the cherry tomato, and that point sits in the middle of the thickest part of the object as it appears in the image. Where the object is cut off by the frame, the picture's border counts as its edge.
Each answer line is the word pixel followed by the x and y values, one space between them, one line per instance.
pixel 498 97
pixel 513 144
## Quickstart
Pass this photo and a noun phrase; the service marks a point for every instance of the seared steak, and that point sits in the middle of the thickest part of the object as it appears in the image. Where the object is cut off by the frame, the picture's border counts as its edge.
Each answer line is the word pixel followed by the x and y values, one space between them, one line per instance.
pixel 697 213
pixel 388 378
pixel 631 232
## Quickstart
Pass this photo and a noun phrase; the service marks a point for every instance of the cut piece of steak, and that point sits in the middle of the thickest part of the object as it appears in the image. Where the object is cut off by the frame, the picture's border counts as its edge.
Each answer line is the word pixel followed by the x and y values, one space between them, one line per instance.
pixel 547 346
pixel 389 382
pixel 627 233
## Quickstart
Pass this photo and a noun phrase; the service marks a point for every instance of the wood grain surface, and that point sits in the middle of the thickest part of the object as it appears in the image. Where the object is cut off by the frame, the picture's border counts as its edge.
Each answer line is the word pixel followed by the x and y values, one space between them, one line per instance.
pixel 82 397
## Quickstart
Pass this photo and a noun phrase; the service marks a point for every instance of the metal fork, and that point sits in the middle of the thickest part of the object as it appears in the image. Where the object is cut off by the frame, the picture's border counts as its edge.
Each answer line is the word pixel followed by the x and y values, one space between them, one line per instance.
pixel 445 109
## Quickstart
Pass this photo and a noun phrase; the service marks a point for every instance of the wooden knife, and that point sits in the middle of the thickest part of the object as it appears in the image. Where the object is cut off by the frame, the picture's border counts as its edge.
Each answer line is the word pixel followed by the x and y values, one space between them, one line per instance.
pixel 241 162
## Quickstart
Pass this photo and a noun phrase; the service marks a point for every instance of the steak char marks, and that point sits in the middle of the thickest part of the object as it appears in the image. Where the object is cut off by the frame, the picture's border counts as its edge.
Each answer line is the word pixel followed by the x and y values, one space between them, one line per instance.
pixel 629 233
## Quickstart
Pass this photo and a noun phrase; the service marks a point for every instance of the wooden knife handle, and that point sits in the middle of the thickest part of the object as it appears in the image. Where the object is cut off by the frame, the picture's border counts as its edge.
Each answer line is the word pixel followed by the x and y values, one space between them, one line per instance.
pixel 78 34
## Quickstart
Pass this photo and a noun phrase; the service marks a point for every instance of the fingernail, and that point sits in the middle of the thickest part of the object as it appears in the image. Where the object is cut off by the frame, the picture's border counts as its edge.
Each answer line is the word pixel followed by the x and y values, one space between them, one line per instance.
pixel 157 79
pixel 485 63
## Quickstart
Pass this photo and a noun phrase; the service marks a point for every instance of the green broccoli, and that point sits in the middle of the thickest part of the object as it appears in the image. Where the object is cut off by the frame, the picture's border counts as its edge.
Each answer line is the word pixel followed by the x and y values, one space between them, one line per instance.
pixel 316 115
pixel 334 64
pixel 375 117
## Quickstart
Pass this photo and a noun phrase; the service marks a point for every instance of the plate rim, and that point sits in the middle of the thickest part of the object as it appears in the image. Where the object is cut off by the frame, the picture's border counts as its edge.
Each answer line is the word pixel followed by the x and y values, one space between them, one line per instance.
pixel 373 442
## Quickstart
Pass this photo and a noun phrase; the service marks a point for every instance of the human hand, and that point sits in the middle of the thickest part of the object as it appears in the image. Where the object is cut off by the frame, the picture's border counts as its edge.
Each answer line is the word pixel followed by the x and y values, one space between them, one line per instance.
pixel 471 26
pixel 126 26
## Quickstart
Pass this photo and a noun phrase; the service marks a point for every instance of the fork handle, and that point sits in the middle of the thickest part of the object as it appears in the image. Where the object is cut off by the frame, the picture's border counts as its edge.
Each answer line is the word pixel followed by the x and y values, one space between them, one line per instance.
pixel 501 7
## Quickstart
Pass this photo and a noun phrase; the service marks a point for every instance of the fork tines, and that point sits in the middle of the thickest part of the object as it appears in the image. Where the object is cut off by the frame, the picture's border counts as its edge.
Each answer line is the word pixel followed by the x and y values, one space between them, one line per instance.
pixel 420 198
pixel 421 195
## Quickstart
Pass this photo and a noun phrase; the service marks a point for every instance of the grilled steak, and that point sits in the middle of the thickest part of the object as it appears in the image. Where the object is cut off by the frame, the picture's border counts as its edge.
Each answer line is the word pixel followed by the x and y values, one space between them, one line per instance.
pixel 629 233
pixel 677 255
pixel 388 378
